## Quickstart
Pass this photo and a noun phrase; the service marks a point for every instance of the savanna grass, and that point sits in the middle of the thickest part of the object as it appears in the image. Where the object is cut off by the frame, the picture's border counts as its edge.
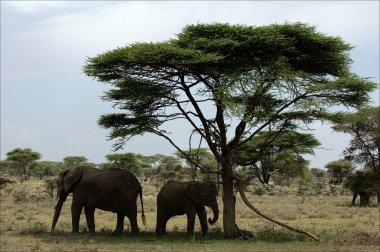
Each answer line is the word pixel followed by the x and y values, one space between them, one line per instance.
pixel 25 225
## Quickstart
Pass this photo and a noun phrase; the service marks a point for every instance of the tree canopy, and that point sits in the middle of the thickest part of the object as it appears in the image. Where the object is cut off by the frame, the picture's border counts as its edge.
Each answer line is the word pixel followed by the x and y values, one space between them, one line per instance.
pixel 364 128
pixel 339 170
pixel 129 161
pixel 71 161
pixel 228 82
pixel 276 151
pixel 23 160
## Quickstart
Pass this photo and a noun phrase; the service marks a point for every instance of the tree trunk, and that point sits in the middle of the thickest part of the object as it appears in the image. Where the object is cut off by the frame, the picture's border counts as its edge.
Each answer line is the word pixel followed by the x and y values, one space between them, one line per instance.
pixel 266 178
pixel 231 230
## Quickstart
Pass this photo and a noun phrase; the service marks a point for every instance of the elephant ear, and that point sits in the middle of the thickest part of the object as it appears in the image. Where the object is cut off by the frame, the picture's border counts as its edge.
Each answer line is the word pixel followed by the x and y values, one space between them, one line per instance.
pixel 71 177
pixel 195 192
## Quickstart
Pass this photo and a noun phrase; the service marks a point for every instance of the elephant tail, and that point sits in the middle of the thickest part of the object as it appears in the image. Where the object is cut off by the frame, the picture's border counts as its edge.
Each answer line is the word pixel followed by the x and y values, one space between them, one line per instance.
pixel 142 207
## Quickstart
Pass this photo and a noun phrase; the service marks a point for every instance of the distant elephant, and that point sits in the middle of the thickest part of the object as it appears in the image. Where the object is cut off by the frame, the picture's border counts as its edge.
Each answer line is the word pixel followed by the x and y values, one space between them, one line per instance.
pixel 190 198
pixel 362 183
pixel 110 190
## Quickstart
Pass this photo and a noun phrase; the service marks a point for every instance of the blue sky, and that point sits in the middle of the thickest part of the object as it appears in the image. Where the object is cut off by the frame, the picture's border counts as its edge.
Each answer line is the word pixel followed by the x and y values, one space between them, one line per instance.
pixel 49 105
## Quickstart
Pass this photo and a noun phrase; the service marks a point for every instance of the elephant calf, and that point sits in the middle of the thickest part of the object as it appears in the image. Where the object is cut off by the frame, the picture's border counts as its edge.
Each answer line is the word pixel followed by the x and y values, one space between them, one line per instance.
pixel 110 190
pixel 190 198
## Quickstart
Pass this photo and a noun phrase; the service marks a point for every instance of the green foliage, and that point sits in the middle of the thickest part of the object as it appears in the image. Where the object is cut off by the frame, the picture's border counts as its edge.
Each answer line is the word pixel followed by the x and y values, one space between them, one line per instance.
pixel 364 127
pixel 71 161
pixel 200 159
pixel 23 160
pixel 241 68
pixel 46 169
pixel 338 170
pixel 165 168
pixel 131 162
pixel 319 173
pixel 276 151
pixel 244 47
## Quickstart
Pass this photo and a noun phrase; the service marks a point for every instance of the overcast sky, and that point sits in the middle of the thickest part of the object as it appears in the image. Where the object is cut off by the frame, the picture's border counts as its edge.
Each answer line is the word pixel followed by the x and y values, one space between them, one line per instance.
pixel 49 105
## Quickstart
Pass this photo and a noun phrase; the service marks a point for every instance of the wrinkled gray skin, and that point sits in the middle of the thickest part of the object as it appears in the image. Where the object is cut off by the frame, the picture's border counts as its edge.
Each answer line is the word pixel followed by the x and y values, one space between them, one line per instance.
pixel 110 190
pixel 190 198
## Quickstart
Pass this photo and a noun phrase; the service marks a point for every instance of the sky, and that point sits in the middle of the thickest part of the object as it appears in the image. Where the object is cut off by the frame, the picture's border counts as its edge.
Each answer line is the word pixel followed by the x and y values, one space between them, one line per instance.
pixel 49 105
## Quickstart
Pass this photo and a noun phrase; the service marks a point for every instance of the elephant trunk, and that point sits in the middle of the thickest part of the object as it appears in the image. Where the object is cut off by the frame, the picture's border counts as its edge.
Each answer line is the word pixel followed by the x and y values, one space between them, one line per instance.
pixel 57 212
pixel 215 210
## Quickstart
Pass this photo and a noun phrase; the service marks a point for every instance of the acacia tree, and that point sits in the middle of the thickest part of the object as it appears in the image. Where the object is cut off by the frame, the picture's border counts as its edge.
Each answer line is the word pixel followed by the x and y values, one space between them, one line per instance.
pixel 23 160
pixel 228 82
pixel 131 162
pixel 338 170
pixel 71 161
pixel 201 156
pixel 364 148
pixel 276 151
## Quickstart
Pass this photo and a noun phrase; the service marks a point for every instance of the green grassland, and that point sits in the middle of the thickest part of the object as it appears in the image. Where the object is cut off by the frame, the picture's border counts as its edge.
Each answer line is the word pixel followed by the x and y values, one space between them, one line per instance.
pixel 26 213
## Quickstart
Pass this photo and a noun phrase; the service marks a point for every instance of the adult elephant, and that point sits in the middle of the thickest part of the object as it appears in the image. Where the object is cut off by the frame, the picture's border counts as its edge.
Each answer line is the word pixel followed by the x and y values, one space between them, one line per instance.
pixel 190 198
pixel 110 190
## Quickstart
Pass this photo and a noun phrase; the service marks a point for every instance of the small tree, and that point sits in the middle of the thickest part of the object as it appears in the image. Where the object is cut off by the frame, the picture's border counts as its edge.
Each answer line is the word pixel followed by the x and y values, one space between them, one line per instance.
pixel 46 169
pixel 338 170
pixel 276 151
pixel 71 161
pixel 131 162
pixel 202 157
pixel 23 160
pixel 318 173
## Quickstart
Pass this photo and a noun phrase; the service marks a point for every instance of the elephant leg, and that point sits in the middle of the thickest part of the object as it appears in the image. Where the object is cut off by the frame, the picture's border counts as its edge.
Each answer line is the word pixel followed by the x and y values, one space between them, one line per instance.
pixel 76 210
pixel 159 223
pixel 164 222
pixel 119 224
pixel 190 222
pixel 132 216
pixel 134 227
pixel 202 215
pixel 158 227
pixel 89 212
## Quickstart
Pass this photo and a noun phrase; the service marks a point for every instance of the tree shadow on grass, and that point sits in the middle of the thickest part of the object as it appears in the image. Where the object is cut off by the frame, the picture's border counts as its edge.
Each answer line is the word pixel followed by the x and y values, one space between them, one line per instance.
pixel 106 236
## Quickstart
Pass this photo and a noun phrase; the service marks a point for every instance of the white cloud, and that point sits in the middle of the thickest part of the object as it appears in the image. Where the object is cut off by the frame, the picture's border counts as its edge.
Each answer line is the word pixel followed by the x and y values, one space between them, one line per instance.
pixel 34 6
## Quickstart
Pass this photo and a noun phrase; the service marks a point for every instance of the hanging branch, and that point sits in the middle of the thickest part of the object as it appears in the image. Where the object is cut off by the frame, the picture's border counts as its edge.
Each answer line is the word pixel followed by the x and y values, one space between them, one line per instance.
pixel 244 198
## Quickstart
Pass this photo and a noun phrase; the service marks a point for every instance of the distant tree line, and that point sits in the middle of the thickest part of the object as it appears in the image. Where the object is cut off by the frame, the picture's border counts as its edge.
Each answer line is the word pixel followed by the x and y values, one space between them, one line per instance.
pixel 263 158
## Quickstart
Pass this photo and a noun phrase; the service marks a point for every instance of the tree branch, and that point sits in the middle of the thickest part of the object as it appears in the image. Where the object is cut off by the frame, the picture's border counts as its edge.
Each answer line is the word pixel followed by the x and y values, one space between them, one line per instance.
pixel 244 198
pixel 188 158
pixel 271 119
pixel 203 120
